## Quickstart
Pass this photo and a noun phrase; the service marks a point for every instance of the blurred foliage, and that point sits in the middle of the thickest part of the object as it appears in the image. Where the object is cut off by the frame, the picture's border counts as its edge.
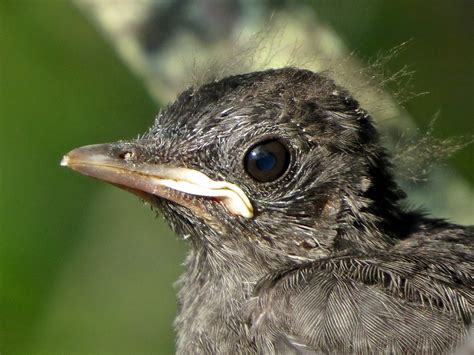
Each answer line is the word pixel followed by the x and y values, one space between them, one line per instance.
pixel 83 267
pixel 61 87
pixel 440 54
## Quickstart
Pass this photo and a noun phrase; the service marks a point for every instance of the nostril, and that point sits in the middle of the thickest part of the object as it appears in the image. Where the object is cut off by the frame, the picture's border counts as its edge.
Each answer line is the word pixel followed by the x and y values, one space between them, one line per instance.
pixel 127 155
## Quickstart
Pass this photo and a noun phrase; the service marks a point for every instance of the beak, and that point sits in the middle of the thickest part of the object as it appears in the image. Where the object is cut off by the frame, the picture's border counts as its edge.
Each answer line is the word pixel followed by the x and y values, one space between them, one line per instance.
pixel 103 162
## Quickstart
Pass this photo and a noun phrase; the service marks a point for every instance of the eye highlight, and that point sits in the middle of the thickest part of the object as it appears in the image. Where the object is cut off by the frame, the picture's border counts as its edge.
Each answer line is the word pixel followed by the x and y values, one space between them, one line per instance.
pixel 267 160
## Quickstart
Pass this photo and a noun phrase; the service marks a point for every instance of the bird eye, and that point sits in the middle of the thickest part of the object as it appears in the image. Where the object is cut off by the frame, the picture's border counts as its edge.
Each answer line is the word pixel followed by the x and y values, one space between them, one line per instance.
pixel 267 161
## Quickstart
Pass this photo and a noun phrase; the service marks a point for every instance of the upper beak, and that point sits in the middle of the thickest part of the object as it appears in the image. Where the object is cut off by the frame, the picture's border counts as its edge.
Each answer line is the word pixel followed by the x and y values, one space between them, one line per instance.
pixel 102 161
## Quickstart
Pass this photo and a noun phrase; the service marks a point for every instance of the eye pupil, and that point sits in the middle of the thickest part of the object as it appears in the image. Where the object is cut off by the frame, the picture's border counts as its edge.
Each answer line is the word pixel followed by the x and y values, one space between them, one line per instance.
pixel 264 160
pixel 267 161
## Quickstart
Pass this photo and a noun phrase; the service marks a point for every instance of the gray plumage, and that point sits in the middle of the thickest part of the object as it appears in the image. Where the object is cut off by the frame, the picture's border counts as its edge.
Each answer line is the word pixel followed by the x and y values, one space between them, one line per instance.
pixel 330 262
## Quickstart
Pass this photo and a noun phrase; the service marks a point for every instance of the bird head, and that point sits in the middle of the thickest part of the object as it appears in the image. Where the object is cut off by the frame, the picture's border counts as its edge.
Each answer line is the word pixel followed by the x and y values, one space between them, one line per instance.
pixel 281 164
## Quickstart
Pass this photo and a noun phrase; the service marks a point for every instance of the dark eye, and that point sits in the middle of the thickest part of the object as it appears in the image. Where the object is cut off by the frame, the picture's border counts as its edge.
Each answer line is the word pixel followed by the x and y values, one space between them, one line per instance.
pixel 267 161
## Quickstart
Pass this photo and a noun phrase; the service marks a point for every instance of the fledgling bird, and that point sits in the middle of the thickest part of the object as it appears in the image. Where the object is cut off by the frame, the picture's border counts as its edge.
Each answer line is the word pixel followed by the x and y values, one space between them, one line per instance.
pixel 298 242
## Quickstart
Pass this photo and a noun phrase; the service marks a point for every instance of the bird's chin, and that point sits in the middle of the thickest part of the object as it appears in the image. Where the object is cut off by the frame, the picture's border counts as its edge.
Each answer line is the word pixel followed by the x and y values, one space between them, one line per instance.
pixel 151 199
pixel 195 204
pixel 187 222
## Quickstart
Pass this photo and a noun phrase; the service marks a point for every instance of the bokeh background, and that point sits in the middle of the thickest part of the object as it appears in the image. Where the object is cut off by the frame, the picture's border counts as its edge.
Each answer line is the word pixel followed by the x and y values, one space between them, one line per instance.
pixel 86 268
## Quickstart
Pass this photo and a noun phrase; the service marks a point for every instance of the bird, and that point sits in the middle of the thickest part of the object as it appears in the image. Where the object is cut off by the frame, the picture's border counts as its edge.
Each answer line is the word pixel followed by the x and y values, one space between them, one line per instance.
pixel 299 238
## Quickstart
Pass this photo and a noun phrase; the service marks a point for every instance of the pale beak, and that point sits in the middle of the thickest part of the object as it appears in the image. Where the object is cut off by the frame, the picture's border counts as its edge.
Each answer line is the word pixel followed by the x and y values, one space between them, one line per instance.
pixel 160 180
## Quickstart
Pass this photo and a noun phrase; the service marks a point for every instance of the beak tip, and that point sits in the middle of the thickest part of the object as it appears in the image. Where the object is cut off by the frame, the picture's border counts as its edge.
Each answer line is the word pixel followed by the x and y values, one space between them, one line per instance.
pixel 65 161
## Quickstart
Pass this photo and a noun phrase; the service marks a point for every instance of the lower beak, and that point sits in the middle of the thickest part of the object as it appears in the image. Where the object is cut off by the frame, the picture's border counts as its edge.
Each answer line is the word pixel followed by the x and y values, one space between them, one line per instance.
pixel 102 162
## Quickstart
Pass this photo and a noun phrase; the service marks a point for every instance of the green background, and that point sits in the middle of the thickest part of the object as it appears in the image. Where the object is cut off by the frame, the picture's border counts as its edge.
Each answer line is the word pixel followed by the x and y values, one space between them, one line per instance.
pixel 85 268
